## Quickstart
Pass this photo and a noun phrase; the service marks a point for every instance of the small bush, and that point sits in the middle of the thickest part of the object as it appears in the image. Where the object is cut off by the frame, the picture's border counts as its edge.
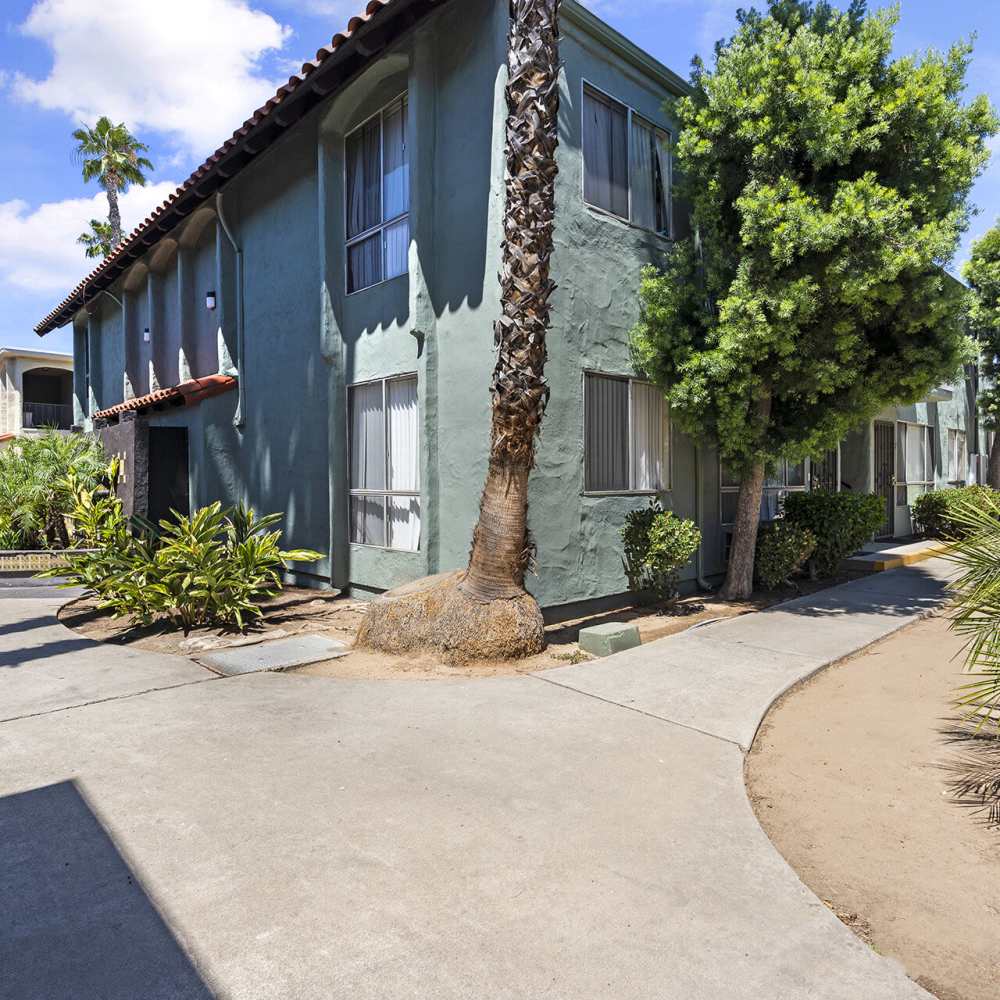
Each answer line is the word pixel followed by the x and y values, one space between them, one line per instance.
pixel 37 481
pixel 782 550
pixel 935 513
pixel 207 569
pixel 840 522
pixel 658 545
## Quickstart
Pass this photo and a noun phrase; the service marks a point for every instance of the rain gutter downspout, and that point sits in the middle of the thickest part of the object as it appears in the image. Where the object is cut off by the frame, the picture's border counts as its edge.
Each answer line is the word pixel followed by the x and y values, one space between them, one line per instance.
pixel 239 419
pixel 699 516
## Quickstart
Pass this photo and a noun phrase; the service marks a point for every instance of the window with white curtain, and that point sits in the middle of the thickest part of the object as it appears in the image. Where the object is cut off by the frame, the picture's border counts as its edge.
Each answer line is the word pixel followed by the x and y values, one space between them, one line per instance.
pixel 786 477
pixel 385 463
pixel 626 436
pixel 626 163
pixel 958 457
pixel 378 198
pixel 914 461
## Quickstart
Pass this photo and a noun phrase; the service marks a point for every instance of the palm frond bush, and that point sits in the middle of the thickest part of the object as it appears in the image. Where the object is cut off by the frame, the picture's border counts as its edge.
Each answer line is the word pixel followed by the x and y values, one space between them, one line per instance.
pixel 213 567
pixel 39 477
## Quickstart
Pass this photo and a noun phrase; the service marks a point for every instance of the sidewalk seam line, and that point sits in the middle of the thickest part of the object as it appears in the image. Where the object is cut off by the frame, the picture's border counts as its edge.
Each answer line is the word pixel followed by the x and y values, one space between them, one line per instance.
pixel 639 711
pixel 104 701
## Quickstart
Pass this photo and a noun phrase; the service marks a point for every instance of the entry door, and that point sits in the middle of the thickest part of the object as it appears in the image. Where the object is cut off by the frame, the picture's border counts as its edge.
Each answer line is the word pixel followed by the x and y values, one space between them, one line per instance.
pixel 885 474
pixel 168 472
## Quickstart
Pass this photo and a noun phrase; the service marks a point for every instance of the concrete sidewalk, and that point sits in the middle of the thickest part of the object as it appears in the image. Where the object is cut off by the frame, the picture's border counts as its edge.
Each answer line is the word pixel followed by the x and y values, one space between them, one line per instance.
pixel 579 834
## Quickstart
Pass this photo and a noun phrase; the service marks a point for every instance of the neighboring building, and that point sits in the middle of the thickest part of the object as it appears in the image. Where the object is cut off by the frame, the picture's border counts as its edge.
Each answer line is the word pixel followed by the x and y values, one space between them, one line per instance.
pixel 307 323
pixel 36 392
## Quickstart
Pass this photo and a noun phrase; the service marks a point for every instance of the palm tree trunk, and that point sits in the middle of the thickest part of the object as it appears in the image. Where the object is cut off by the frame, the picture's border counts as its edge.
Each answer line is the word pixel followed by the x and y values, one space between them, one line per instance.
pixel 993 469
pixel 114 215
pixel 501 548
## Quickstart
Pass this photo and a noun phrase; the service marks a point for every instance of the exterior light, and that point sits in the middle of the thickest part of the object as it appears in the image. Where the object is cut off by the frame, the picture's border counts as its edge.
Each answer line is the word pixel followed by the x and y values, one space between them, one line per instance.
pixel 210 300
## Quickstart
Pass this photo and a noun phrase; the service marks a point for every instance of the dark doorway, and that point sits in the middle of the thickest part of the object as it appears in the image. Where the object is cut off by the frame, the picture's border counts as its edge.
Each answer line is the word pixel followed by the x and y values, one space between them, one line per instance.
pixel 168 472
pixel 885 474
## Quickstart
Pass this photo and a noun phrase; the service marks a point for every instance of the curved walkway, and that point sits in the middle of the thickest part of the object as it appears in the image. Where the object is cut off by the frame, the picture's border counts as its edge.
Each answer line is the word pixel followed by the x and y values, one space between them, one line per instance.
pixel 580 833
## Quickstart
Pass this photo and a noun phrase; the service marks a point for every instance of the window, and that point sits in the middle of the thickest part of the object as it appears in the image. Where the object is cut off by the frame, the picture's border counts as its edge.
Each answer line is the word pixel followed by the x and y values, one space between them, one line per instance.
pixel 914 462
pixel 627 436
pixel 958 457
pixel 786 478
pixel 824 472
pixel 378 198
pixel 385 465
pixel 626 163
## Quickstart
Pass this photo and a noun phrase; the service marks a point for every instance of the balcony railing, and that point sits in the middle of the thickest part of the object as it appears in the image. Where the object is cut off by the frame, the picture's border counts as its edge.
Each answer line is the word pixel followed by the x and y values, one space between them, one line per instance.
pixel 58 415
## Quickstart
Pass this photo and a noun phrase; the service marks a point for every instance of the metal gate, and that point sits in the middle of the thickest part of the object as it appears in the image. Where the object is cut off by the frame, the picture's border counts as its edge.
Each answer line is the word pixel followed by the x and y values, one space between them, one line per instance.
pixel 885 474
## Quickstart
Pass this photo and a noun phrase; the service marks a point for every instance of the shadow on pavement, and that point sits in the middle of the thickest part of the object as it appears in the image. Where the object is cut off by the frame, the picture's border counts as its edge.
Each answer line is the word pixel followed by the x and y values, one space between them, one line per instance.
pixel 44 651
pixel 75 921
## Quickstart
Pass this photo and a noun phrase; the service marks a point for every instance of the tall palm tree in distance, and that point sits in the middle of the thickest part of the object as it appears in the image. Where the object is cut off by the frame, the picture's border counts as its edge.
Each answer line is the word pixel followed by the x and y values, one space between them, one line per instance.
pixel 97 240
pixel 112 156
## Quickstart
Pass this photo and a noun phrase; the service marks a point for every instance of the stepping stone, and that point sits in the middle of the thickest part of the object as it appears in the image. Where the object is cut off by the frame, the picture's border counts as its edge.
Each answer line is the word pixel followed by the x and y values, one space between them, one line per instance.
pixel 281 654
pixel 613 637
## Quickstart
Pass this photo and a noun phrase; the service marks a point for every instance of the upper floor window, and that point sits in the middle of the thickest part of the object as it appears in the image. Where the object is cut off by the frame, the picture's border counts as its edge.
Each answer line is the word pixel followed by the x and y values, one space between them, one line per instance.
pixel 626 436
pixel 378 198
pixel 626 163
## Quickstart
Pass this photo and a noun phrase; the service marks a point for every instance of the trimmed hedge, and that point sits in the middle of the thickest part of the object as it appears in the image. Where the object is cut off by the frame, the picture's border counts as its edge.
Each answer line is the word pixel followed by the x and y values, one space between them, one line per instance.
pixel 934 512
pixel 782 550
pixel 658 545
pixel 840 522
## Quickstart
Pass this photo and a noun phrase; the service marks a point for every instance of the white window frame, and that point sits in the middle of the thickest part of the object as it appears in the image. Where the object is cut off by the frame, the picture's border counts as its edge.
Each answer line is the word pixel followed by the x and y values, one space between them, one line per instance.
pixel 668 464
pixel 659 130
pixel 955 457
pixel 385 494
pixel 351 241
pixel 904 484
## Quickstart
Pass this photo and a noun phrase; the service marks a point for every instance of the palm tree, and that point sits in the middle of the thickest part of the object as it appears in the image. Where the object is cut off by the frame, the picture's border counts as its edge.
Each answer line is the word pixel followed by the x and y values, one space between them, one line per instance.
pixel 97 242
pixel 485 613
pixel 113 156
pixel 501 548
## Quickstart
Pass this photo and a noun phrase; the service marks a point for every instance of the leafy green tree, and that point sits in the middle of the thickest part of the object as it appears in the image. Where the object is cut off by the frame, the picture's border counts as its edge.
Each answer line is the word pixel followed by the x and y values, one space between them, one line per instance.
pixel 982 271
pixel 96 242
pixel 828 187
pixel 112 156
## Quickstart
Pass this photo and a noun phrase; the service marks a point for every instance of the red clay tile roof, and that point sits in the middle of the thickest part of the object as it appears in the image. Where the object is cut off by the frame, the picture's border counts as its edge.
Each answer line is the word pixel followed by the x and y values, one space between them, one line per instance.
pixel 318 80
pixel 186 394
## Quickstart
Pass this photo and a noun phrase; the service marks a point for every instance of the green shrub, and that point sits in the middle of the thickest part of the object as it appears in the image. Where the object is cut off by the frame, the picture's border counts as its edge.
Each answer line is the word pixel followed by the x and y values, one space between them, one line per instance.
pixel 38 476
pixel 211 568
pixel 937 514
pixel 840 522
pixel 782 550
pixel 658 545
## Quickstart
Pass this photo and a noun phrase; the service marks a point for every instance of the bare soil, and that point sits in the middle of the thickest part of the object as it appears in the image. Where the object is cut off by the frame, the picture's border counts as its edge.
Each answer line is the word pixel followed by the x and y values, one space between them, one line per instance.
pixel 298 610
pixel 849 778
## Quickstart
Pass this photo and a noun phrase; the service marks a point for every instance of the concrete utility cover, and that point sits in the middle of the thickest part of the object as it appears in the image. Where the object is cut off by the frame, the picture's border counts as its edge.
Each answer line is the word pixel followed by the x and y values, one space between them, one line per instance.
pixel 281 654
pixel 613 637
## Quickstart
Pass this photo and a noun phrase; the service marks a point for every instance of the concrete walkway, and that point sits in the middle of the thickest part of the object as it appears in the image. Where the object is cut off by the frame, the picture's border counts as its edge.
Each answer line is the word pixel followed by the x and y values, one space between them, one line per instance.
pixel 581 833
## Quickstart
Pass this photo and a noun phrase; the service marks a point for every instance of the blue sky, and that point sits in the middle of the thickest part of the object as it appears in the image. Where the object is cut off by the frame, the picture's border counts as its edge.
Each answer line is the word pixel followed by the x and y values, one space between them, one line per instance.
pixel 185 73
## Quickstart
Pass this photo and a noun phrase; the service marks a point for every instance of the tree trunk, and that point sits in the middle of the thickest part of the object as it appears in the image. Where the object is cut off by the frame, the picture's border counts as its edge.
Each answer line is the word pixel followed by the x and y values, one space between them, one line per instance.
pixel 501 549
pixel 993 469
pixel 114 216
pixel 739 575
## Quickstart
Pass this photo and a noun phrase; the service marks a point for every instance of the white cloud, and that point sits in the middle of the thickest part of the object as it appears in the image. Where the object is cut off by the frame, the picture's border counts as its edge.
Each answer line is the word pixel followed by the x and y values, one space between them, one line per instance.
pixel 38 248
pixel 189 68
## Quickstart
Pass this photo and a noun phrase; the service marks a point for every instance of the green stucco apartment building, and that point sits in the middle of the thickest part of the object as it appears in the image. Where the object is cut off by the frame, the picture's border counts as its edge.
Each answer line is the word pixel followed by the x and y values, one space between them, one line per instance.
pixel 306 325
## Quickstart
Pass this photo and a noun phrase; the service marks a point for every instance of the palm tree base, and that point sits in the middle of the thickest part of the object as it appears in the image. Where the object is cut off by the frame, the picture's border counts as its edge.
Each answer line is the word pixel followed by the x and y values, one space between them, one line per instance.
pixel 434 615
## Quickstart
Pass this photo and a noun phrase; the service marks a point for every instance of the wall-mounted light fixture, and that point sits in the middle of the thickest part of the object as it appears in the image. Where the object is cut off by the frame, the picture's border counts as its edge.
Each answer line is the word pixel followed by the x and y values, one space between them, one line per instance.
pixel 145 335
pixel 210 300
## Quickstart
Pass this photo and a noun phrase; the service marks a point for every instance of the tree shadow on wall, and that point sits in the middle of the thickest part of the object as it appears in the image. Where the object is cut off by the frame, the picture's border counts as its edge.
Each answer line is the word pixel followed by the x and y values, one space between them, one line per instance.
pixel 75 921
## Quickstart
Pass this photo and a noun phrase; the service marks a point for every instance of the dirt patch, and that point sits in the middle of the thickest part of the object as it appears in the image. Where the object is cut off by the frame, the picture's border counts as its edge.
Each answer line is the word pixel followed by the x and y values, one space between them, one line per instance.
pixel 848 778
pixel 297 610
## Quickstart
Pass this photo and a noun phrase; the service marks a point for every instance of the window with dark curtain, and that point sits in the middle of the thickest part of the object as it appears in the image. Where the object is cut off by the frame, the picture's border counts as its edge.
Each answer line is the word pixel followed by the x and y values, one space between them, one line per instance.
pixel 606 458
pixel 605 153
